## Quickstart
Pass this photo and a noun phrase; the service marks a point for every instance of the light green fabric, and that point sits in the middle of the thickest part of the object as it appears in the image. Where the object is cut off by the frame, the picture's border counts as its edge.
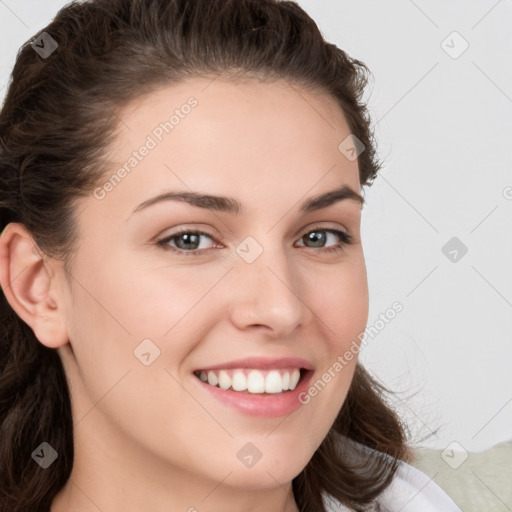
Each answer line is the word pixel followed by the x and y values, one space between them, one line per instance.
pixel 482 482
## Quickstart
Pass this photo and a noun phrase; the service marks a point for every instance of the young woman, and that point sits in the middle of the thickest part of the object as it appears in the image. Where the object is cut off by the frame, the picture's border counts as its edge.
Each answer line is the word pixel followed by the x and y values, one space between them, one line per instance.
pixel 184 284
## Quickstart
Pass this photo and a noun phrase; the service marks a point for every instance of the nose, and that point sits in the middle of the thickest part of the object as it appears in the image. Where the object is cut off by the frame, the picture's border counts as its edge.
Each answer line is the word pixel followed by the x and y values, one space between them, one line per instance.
pixel 268 294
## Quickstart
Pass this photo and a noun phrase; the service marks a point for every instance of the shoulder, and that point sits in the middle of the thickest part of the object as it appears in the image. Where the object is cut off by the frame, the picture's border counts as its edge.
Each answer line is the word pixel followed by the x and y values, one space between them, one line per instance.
pixel 413 491
pixel 410 491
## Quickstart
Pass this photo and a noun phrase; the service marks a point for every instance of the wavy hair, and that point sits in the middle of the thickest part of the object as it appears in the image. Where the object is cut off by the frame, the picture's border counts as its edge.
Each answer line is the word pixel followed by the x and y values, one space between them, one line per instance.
pixel 56 124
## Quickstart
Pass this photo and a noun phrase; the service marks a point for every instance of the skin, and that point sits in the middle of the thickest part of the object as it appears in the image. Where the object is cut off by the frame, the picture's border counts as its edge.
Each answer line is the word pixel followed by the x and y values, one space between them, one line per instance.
pixel 148 437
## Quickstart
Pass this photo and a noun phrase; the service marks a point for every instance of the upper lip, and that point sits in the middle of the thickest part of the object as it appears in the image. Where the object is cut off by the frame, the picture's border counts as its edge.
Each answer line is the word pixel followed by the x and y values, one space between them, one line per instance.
pixel 262 363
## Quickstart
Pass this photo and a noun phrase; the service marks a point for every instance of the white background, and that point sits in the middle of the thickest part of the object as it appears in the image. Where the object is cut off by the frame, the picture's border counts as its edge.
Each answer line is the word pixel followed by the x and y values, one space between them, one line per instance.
pixel 444 128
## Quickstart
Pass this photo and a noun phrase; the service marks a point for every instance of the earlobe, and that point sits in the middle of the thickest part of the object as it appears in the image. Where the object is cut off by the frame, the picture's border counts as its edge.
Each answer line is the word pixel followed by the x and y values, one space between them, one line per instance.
pixel 26 281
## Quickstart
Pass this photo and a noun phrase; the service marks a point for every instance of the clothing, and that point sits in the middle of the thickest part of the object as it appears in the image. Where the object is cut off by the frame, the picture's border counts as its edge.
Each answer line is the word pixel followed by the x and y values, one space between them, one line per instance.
pixel 410 491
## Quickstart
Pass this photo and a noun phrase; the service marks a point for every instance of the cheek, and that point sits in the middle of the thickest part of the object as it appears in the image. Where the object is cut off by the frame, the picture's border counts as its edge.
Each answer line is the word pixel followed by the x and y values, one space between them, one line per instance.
pixel 342 309
pixel 342 305
pixel 167 289
pixel 128 303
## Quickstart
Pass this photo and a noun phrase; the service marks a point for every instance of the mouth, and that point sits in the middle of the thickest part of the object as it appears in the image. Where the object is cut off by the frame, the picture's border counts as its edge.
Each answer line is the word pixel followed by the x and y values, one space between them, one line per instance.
pixel 254 381
pixel 257 386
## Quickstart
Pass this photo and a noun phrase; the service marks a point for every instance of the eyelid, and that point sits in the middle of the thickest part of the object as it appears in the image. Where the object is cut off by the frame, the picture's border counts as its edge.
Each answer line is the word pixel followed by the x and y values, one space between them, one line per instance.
pixel 321 227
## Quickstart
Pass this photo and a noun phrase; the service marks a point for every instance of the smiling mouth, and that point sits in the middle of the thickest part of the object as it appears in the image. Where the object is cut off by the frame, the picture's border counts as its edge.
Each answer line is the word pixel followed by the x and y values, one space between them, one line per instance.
pixel 252 380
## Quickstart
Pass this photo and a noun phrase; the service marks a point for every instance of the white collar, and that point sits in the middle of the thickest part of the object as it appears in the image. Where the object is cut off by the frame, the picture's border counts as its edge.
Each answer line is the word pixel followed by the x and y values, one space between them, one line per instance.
pixel 409 491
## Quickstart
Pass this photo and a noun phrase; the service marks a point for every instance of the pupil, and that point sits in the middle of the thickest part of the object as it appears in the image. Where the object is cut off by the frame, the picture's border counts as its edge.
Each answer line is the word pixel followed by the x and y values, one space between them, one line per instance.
pixel 187 238
pixel 316 237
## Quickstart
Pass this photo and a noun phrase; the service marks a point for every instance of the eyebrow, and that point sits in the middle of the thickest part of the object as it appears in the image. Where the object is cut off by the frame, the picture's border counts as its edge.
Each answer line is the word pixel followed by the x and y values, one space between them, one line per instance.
pixel 230 205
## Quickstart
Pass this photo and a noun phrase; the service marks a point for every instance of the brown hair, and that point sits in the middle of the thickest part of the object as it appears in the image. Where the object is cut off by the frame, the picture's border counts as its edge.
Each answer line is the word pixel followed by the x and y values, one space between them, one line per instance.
pixel 57 121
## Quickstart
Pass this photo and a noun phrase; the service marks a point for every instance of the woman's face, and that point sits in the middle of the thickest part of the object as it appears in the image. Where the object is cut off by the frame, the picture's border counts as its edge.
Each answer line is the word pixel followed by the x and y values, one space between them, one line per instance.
pixel 149 309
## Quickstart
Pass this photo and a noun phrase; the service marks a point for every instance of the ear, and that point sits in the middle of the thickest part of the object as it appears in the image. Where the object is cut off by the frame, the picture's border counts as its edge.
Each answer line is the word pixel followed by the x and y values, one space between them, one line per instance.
pixel 29 286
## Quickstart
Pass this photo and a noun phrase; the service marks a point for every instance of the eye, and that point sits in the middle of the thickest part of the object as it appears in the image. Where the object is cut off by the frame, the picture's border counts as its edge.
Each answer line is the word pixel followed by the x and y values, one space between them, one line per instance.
pixel 320 235
pixel 188 242
pixel 185 239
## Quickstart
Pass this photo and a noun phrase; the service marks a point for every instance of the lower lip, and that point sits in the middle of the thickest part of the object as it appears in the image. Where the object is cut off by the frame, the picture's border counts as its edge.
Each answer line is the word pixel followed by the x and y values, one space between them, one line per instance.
pixel 267 405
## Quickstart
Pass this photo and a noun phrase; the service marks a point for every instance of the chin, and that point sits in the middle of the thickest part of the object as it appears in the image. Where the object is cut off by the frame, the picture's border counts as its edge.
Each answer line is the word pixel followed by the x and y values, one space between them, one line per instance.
pixel 267 472
pixel 267 477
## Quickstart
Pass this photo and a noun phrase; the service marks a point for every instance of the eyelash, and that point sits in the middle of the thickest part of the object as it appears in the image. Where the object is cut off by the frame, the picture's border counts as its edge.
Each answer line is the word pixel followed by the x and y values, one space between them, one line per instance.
pixel 346 239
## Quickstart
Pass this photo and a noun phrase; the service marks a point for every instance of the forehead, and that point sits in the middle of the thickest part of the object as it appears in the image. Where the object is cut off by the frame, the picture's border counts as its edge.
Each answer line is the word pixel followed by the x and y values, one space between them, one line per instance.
pixel 243 111
pixel 217 93
pixel 244 139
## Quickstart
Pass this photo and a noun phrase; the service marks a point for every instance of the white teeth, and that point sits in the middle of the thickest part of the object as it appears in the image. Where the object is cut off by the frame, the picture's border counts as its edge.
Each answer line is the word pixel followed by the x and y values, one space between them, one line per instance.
pixel 273 382
pixel 253 381
pixel 294 378
pixel 224 380
pixel 286 381
pixel 239 381
pixel 212 379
